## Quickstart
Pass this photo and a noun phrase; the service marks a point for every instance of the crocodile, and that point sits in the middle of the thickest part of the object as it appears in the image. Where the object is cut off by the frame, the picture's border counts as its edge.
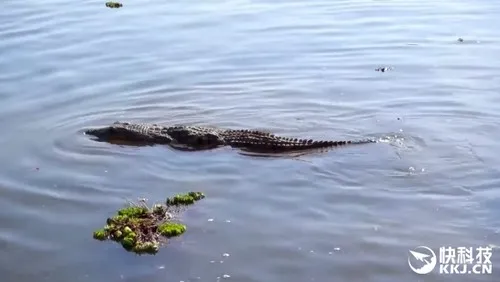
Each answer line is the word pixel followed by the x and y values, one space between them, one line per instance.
pixel 200 138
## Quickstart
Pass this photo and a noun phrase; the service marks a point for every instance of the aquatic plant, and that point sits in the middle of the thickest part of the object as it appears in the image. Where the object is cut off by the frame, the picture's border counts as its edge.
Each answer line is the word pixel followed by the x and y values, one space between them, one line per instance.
pixel 113 4
pixel 185 199
pixel 170 229
pixel 143 230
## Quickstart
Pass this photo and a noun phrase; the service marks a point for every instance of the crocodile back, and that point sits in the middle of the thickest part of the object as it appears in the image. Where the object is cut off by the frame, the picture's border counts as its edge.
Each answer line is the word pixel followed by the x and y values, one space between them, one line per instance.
pixel 195 136
pixel 243 135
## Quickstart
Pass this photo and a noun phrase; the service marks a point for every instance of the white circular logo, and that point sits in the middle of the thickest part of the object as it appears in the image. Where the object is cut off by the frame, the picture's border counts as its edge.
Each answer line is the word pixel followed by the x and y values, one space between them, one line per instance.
pixel 423 256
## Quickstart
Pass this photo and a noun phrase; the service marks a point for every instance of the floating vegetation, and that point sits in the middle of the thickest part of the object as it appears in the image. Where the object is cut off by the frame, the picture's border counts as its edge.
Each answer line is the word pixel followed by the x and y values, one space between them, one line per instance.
pixel 143 230
pixel 113 4
pixel 185 199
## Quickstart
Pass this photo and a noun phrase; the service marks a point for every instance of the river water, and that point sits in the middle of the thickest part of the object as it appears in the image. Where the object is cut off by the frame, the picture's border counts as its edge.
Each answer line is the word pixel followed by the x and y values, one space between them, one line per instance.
pixel 296 68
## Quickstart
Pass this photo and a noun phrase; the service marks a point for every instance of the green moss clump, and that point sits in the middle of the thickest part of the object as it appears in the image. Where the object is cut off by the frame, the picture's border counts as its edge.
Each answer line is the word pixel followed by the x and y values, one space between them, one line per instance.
pixel 117 219
pixel 113 4
pixel 197 195
pixel 117 234
pixel 147 248
pixel 134 212
pixel 180 200
pixel 140 229
pixel 127 230
pixel 185 199
pixel 128 242
pixel 171 229
pixel 100 235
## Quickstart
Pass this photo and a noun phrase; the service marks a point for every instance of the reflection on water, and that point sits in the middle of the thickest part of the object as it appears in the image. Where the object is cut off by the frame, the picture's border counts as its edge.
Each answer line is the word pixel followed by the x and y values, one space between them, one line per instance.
pixel 296 68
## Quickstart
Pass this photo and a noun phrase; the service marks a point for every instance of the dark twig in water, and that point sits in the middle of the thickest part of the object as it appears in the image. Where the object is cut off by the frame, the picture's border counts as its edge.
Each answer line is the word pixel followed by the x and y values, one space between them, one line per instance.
pixel 384 69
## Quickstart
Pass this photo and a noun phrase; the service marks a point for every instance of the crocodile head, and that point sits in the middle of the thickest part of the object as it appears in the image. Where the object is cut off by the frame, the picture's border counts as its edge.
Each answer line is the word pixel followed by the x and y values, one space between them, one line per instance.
pixel 102 133
pixel 126 132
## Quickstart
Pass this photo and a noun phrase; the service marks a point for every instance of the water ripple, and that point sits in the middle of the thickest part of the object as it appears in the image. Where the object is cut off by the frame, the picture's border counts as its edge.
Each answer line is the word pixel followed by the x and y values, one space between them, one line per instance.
pixel 296 68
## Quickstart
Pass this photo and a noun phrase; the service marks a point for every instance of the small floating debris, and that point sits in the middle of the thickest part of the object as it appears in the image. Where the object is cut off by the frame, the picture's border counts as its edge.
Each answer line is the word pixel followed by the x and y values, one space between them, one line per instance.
pixel 384 69
pixel 114 4
pixel 466 41
pixel 141 229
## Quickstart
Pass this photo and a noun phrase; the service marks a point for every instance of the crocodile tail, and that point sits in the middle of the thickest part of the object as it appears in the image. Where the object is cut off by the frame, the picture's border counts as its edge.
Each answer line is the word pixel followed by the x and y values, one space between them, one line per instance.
pixel 310 144
pixel 296 145
pixel 358 142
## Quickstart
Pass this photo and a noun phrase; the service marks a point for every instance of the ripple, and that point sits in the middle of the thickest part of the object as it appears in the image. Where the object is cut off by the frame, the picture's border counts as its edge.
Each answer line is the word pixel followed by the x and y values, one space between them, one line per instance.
pixel 295 68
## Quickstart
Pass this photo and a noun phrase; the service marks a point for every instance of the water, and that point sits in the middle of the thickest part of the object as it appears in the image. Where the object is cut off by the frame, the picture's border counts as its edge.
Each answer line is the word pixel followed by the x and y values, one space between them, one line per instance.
pixel 297 68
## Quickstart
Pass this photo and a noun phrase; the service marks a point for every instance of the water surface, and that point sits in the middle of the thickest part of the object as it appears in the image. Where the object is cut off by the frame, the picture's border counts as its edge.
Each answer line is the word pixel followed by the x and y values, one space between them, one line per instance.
pixel 296 68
